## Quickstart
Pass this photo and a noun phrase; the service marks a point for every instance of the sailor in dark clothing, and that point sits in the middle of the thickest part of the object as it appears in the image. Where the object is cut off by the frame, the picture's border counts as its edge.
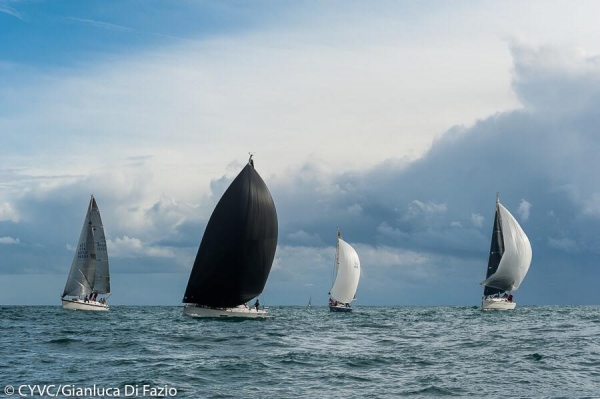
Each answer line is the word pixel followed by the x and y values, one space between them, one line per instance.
pixel 256 304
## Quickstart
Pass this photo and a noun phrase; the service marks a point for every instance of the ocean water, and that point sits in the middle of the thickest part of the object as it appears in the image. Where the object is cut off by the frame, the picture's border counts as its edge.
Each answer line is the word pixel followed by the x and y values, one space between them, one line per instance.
pixel 375 352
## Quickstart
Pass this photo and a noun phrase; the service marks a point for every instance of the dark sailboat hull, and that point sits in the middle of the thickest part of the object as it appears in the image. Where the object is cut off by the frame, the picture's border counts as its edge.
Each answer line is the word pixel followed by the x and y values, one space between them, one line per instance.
pixel 342 309
pixel 238 246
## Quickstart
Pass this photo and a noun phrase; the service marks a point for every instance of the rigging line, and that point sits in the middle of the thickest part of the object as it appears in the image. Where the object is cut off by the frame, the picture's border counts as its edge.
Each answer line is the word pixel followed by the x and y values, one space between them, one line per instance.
pixel 264 301
pixel 86 279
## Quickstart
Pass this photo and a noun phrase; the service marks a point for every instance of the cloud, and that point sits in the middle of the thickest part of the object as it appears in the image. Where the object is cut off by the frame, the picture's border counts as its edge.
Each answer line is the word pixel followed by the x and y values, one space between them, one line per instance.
pixel 591 206
pixel 141 103
pixel 301 262
pixel 386 230
pixel 477 219
pixel 167 215
pixel 101 24
pixel 556 80
pixel 405 264
pixel 417 208
pixel 302 238
pixel 8 213
pixel 129 247
pixel 354 209
pixel 564 244
pixel 9 240
pixel 524 208
pixel 6 9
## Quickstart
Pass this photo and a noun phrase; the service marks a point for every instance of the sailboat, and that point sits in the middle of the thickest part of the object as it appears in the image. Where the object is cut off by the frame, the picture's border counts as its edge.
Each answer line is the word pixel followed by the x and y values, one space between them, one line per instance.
pixel 509 261
pixel 309 302
pixel 89 275
pixel 347 274
pixel 236 252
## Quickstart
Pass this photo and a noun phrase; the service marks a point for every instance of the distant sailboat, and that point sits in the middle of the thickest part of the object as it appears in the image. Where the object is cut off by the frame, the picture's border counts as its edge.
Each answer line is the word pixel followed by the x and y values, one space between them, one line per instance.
pixel 347 274
pixel 509 261
pixel 89 275
pixel 236 252
pixel 309 302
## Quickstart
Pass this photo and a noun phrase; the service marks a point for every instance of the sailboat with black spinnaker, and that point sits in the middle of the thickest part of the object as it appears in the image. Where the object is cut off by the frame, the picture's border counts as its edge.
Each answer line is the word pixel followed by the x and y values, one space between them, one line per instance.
pixel 508 263
pixel 236 252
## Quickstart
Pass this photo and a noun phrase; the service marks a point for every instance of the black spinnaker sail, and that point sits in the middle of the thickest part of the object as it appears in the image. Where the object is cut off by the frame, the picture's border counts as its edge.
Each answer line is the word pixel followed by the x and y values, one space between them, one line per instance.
pixel 496 252
pixel 238 245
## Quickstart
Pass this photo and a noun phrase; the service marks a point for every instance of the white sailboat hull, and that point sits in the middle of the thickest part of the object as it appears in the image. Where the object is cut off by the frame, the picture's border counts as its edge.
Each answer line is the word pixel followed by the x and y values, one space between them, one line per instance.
pixel 497 304
pixel 79 304
pixel 194 310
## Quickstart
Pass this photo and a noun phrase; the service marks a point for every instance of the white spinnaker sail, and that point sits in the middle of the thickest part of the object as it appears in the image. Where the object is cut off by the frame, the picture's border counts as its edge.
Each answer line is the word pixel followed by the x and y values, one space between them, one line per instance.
pixel 348 273
pixel 516 259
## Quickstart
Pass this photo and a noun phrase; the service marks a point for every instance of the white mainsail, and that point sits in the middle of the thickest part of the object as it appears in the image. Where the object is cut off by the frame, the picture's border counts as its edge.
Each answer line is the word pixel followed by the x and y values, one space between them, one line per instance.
pixel 89 269
pixel 517 255
pixel 348 273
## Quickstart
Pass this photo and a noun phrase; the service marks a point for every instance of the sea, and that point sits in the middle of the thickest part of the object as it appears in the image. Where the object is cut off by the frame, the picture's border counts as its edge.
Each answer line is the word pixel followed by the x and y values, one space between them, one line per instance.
pixel 301 352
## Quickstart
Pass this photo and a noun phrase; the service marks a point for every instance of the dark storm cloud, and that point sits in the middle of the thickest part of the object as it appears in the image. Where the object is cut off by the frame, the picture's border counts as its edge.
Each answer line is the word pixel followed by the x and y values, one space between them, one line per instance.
pixel 542 159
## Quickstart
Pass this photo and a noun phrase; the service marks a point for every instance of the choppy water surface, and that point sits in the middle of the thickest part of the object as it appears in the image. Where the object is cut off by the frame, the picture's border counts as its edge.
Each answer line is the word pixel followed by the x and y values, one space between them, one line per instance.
pixel 375 352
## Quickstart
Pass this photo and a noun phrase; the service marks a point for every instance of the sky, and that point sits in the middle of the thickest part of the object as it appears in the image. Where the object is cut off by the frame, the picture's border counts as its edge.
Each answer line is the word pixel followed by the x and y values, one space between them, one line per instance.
pixel 397 121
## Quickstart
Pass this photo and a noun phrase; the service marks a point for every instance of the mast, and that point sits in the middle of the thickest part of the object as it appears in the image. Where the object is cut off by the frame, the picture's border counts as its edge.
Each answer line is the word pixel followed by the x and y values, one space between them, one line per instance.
pixel 336 264
pixel 496 249
pixel 337 250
